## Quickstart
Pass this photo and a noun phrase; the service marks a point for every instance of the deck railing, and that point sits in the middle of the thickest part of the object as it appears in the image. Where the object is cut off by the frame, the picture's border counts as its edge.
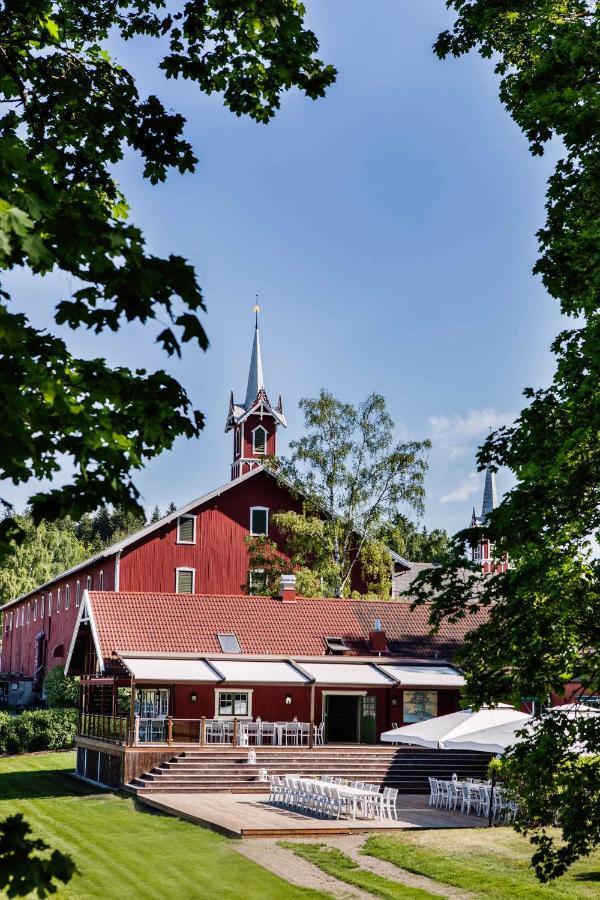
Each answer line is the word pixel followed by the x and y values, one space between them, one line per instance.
pixel 114 729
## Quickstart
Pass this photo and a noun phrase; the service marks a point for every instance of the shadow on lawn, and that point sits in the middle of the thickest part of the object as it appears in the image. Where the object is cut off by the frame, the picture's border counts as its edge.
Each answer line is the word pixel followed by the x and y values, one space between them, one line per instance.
pixel 587 876
pixel 49 783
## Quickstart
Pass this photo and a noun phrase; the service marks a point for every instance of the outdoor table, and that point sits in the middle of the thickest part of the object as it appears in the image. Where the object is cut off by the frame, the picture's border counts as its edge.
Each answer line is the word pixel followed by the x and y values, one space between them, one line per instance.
pixel 355 794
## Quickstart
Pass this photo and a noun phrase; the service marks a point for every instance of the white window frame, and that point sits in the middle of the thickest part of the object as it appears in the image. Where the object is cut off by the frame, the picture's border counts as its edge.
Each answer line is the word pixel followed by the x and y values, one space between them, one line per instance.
pixel 186 516
pixel 185 569
pixel 58 598
pixel 50 603
pixel 252 572
pixel 101 580
pixel 67 595
pixel 260 509
pixel 23 616
pixel 35 610
pixel 89 582
pixel 238 442
pixel 43 606
pixel 28 613
pixel 219 691
pixel 77 594
pixel 254 450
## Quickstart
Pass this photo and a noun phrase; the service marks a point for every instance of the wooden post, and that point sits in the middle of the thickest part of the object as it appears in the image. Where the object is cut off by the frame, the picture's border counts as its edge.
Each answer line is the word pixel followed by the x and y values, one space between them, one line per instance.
pixel 235 733
pixel 311 727
pixel 79 707
pixel 202 731
pixel 136 730
pixel 114 697
pixel 170 730
pixel 132 739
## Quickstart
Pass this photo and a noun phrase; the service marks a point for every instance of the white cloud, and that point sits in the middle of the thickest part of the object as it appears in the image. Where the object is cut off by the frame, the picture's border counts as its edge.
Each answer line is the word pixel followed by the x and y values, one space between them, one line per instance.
pixel 464 489
pixel 459 434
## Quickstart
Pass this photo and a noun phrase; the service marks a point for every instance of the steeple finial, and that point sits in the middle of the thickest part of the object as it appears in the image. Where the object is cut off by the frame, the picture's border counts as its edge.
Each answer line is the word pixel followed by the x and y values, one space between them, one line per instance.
pixel 489 493
pixel 255 375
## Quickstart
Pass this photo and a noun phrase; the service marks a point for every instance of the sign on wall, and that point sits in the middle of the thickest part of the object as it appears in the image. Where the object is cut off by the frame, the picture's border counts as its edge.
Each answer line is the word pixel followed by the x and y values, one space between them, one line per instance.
pixel 419 705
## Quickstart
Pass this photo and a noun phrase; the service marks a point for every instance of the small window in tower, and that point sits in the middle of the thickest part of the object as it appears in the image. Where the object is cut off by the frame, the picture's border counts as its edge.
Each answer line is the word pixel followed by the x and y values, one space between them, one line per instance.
pixel 259 520
pixel 184 581
pixel 186 530
pixel 229 643
pixel 259 440
pixel 238 441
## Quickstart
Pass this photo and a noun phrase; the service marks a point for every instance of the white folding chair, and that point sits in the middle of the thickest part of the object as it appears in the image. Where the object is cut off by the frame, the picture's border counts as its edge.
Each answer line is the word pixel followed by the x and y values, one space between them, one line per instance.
pixel 319 731
pixel 387 803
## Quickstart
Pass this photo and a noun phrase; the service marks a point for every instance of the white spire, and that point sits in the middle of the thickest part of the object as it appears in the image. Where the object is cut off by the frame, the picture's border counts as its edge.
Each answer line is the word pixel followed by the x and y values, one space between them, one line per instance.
pixel 255 375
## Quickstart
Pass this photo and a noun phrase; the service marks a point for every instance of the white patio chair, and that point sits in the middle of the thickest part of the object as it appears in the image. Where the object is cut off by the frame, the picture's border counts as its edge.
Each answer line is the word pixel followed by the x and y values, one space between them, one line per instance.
pixel 484 800
pixel 319 731
pixel 434 791
pixel 453 794
pixel 267 732
pixel 386 803
pixel 338 803
pixel 468 798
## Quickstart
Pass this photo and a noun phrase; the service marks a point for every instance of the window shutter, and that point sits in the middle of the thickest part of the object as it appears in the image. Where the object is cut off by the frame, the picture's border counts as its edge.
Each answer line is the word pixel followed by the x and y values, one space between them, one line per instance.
pixel 185 529
pixel 185 581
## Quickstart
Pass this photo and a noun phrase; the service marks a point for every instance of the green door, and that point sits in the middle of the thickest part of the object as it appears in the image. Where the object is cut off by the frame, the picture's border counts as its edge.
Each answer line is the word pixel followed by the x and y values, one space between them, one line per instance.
pixel 368 720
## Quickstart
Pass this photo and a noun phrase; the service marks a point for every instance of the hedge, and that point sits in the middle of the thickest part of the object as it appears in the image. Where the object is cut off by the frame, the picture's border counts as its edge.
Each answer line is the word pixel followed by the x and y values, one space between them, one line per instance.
pixel 40 729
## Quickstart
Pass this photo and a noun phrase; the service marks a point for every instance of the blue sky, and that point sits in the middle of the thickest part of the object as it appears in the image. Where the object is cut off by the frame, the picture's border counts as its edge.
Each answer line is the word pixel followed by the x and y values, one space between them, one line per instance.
pixel 389 230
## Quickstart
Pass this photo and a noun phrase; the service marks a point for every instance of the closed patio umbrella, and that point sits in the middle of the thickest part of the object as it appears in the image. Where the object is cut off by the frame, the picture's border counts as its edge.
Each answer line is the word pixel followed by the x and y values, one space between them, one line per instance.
pixel 434 733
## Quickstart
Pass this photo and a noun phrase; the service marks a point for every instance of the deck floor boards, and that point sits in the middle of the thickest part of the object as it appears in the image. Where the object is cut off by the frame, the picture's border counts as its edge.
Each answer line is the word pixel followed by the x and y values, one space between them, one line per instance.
pixel 250 815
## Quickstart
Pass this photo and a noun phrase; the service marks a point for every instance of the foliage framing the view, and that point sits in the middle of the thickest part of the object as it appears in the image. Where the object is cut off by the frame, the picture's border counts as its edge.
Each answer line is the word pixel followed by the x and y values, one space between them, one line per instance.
pixel 22 869
pixel 350 476
pixel 69 114
pixel 542 630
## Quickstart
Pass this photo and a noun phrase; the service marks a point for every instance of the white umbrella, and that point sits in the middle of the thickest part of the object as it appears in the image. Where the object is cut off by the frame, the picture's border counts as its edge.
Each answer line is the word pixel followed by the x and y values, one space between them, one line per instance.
pixel 489 740
pixel 434 733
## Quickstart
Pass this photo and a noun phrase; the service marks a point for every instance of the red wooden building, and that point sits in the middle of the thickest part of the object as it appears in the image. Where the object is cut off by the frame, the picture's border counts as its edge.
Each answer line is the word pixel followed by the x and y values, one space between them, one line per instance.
pixel 198 549
pixel 347 669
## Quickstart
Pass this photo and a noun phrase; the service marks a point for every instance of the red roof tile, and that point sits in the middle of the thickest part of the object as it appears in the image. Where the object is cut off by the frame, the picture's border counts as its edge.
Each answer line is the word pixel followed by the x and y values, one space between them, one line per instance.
pixel 189 623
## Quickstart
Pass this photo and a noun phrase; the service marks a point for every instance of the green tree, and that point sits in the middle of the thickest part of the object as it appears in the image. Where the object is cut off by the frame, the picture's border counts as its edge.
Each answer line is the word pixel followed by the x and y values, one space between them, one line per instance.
pixel 22 869
pixel 107 525
pixel 414 543
pixel 542 628
pixel 351 475
pixel 46 550
pixel 70 112
pixel 61 690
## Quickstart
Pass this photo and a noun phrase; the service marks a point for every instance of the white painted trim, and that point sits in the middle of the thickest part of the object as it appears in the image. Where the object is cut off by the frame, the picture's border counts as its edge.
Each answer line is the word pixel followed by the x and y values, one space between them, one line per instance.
pixel 264 509
pixel 348 693
pixel 117 571
pixel 179 518
pixel 185 569
pixel 85 614
pixel 101 580
pixel 224 690
pixel 77 594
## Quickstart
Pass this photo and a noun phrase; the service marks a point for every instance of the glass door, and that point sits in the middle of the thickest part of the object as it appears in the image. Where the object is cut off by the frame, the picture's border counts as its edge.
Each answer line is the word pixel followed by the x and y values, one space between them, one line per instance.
pixel 368 720
pixel 152 706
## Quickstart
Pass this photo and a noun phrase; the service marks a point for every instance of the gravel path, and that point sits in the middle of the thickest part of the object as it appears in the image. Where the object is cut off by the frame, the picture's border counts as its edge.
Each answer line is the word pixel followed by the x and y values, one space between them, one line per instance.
pixel 292 868
pixel 352 844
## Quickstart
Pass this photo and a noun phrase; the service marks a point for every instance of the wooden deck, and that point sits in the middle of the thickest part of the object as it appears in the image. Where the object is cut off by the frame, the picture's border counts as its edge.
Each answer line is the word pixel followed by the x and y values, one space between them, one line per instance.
pixel 249 815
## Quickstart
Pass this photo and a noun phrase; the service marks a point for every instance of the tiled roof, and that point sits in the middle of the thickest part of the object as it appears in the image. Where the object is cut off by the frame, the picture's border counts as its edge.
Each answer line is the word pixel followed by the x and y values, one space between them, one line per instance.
pixel 189 623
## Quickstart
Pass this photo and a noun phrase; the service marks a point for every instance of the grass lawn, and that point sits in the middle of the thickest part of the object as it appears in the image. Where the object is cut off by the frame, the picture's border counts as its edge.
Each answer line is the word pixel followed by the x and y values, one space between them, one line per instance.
pixel 340 866
pixel 123 851
pixel 487 863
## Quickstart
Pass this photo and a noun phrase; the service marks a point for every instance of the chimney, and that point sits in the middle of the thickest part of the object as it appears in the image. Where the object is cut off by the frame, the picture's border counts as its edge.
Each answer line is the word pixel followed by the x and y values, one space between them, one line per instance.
pixel 287 588
pixel 378 639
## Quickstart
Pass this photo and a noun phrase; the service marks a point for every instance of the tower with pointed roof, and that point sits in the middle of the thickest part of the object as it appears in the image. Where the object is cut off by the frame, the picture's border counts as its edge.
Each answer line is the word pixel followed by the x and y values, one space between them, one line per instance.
pixel 482 554
pixel 255 422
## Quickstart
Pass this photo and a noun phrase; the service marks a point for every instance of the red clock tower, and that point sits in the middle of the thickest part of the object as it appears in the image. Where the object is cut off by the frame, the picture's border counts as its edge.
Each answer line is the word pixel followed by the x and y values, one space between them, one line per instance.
pixel 255 422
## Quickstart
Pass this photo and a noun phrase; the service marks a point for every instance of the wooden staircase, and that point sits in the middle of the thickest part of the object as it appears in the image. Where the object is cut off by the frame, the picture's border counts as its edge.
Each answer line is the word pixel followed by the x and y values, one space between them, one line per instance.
pixel 227 769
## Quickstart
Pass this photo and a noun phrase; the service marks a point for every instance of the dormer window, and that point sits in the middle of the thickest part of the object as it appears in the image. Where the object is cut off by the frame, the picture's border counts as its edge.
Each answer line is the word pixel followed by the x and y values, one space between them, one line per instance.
pixel 186 530
pixel 259 440
pixel 259 520
pixel 336 645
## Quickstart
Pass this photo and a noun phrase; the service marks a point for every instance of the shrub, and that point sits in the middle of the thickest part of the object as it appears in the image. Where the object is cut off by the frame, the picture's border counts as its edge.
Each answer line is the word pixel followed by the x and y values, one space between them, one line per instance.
pixel 41 729
pixel 61 690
